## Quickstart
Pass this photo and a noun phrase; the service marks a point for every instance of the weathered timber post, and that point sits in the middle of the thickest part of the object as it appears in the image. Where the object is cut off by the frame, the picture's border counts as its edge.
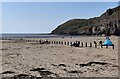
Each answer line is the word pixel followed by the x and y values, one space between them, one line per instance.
pixel 113 46
pixel 68 43
pixel 106 46
pixel 79 43
pixel 65 43
pixel 101 46
pixel 82 44
pixel 86 44
pixel 95 45
pixel 90 44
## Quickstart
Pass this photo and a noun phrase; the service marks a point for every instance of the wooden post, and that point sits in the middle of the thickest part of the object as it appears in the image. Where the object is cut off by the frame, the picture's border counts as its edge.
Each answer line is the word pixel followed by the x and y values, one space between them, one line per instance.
pixel 106 46
pixel 86 44
pixel 51 42
pixel 113 46
pixel 65 43
pixel 59 42
pixel 101 46
pixel 90 44
pixel 62 43
pixel 68 43
pixel 79 43
pixel 95 45
pixel 82 44
pixel 56 42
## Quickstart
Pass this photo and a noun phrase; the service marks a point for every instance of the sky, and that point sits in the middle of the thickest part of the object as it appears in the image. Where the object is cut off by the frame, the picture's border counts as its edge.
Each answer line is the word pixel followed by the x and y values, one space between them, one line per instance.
pixel 43 17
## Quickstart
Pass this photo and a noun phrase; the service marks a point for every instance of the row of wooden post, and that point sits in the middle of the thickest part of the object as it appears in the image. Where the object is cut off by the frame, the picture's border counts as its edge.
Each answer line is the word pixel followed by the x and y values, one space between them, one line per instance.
pixel 70 43
pixel 81 44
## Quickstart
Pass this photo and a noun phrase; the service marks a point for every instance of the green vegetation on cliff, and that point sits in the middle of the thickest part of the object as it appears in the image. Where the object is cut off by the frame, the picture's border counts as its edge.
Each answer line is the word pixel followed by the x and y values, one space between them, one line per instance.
pixel 108 24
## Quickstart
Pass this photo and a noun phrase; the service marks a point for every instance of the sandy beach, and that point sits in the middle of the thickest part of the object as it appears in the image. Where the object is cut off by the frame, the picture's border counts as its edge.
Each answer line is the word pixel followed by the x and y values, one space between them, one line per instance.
pixel 51 60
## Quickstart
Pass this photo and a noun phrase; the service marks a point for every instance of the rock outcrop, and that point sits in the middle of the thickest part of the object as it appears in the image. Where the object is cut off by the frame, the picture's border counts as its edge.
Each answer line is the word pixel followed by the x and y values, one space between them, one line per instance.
pixel 108 23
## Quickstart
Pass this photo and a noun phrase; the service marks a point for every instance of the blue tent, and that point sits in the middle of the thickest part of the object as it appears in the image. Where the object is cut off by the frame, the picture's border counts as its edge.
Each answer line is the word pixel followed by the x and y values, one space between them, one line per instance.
pixel 107 42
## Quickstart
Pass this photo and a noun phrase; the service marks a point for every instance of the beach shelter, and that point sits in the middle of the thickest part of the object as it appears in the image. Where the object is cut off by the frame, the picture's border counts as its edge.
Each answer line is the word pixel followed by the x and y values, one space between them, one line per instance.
pixel 107 42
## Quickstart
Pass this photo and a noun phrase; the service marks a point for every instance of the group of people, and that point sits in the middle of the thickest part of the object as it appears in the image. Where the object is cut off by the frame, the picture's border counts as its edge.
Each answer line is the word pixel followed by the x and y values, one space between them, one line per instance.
pixel 44 41
pixel 107 42
pixel 76 44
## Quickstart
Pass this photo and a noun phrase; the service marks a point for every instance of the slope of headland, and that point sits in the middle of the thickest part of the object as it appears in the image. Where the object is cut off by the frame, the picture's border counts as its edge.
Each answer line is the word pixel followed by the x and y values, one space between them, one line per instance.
pixel 108 24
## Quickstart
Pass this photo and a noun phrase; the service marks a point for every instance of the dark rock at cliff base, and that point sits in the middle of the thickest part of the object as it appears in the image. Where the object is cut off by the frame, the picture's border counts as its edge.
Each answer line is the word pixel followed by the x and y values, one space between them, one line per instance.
pixel 108 24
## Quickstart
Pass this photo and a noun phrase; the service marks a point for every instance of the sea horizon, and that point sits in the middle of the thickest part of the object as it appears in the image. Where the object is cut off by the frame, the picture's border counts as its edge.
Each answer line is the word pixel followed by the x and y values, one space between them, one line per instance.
pixel 26 35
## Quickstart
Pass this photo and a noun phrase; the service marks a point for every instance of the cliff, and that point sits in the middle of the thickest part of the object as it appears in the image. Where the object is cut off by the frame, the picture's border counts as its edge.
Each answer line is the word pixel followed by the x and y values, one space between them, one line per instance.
pixel 108 23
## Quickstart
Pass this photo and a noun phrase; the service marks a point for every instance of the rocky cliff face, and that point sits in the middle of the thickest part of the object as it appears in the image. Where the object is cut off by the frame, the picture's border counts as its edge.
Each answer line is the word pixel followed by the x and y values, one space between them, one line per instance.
pixel 108 24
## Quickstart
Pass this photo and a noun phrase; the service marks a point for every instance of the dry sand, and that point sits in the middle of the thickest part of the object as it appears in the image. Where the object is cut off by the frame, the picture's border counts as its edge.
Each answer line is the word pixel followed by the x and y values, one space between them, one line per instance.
pixel 33 59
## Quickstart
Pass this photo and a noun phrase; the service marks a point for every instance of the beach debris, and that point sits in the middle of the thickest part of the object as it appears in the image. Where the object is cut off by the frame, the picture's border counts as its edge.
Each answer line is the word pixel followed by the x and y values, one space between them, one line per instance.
pixel 75 71
pixel 54 65
pixel 37 69
pixel 62 65
pixel 27 47
pixel 8 72
pixel 4 49
pixel 16 48
pixel 115 66
pixel 13 54
pixel 59 65
pixel 93 62
pixel 99 56
pixel 45 72
pixel 42 71
pixel 23 76
pixel 65 69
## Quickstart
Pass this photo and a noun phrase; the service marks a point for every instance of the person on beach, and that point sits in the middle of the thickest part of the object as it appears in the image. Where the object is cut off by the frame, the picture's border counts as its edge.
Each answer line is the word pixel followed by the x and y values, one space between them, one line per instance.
pixel 107 42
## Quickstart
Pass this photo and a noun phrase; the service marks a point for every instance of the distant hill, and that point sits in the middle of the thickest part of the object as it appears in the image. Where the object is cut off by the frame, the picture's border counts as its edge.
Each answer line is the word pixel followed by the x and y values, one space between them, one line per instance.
pixel 108 23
